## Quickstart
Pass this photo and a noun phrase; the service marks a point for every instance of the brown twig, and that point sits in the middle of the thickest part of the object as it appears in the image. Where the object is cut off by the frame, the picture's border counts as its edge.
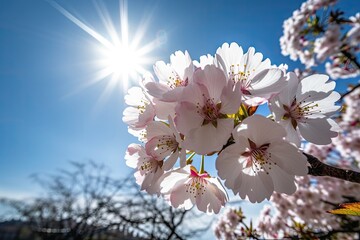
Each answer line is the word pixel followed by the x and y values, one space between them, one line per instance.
pixel 350 91
pixel 318 168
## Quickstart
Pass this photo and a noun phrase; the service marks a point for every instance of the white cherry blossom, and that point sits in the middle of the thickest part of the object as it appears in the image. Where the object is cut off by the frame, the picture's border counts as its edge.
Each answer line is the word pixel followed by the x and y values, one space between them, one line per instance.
pixel 165 141
pixel 306 106
pixel 173 77
pixel 260 161
pixel 258 79
pixel 148 168
pixel 186 187
pixel 201 113
pixel 141 110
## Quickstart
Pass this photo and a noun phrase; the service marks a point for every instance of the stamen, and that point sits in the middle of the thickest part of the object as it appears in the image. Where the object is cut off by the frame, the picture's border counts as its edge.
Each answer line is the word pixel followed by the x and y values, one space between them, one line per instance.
pixel 175 81
pixel 259 159
pixel 300 111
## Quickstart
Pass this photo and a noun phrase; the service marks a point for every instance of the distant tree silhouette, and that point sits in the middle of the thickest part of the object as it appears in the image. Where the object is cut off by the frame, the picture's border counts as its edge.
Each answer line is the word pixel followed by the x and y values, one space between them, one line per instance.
pixel 86 203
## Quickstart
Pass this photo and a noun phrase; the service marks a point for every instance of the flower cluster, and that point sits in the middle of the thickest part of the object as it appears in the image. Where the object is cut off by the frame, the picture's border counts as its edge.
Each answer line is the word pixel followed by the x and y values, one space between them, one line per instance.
pixel 231 226
pixel 314 34
pixel 208 107
pixel 305 211
pixel 303 214
pixel 345 149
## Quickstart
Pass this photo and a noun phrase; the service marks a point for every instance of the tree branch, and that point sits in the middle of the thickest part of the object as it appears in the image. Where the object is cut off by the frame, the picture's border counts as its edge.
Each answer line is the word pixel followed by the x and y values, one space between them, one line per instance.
pixel 318 168
pixel 350 91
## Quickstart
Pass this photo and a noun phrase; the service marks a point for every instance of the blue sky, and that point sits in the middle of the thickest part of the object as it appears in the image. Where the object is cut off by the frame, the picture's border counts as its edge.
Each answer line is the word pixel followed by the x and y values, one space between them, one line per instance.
pixel 47 118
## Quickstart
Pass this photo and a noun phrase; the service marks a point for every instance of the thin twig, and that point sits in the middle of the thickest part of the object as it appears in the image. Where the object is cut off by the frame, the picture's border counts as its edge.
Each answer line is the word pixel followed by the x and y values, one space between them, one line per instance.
pixel 350 91
pixel 318 168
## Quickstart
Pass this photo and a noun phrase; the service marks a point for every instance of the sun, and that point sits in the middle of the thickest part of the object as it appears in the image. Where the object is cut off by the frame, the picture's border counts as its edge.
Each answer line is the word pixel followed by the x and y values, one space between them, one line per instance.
pixel 121 62
pixel 119 58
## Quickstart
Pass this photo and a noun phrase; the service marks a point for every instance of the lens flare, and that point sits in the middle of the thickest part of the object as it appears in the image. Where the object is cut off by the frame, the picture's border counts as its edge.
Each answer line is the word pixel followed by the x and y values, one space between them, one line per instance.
pixel 120 59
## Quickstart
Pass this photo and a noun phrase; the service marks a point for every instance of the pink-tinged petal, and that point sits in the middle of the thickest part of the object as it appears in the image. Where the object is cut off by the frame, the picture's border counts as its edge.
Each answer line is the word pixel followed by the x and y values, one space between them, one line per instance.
pixel 287 95
pixel 173 95
pixel 179 198
pixel 288 158
pixel 267 82
pixel 318 131
pixel 283 182
pixel 208 138
pixel 257 188
pixel 263 65
pixel 277 109
pixel 157 128
pixel 194 93
pixel 155 147
pixel 229 161
pixel 175 131
pixel 257 125
pixel 204 60
pixel 213 198
pixel 214 80
pixel 231 98
pixel 138 133
pixel 226 55
pixel 157 90
pixel 164 72
pixel 251 100
pixel 315 82
pixel 146 117
pixel 132 154
pixel 182 158
pixel 170 161
pixel 251 60
pixel 164 109
pixel 182 64
pixel 172 178
pixel 130 98
pixel 327 106
pixel 292 134
pixel 187 117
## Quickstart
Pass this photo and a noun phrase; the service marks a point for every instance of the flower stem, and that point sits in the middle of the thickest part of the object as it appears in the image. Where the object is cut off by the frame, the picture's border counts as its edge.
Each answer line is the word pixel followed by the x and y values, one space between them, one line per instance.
pixel 202 164
pixel 189 159
pixel 317 168
pixel 243 108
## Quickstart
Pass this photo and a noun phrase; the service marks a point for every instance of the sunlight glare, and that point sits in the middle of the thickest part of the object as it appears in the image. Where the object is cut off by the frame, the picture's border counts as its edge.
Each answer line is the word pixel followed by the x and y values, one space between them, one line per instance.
pixel 121 59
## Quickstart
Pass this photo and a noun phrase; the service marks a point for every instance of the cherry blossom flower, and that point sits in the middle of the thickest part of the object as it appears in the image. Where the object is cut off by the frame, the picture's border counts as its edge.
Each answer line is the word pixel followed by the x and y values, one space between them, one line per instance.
pixel 204 60
pixel 258 79
pixel 260 161
pixel 148 168
pixel 185 187
pixel 162 108
pixel 141 110
pixel 165 141
pixel 340 69
pixel 329 44
pixel 172 77
pixel 307 106
pixel 201 113
pixel 295 42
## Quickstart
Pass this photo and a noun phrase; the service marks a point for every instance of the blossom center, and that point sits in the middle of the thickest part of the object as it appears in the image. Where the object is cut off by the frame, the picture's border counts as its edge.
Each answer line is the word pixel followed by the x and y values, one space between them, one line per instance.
pixel 167 143
pixel 142 106
pixel 300 111
pixel 209 111
pixel 197 183
pixel 150 166
pixel 242 75
pixel 259 159
pixel 175 81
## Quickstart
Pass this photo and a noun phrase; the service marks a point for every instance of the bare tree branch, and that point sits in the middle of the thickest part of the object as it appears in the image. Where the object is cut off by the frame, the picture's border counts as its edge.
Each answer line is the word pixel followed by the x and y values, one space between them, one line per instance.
pixel 318 168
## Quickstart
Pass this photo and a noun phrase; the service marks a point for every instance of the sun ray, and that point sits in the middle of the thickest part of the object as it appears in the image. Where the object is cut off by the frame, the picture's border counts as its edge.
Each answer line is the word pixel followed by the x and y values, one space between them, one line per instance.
pixel 82 25
pixel 121 58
